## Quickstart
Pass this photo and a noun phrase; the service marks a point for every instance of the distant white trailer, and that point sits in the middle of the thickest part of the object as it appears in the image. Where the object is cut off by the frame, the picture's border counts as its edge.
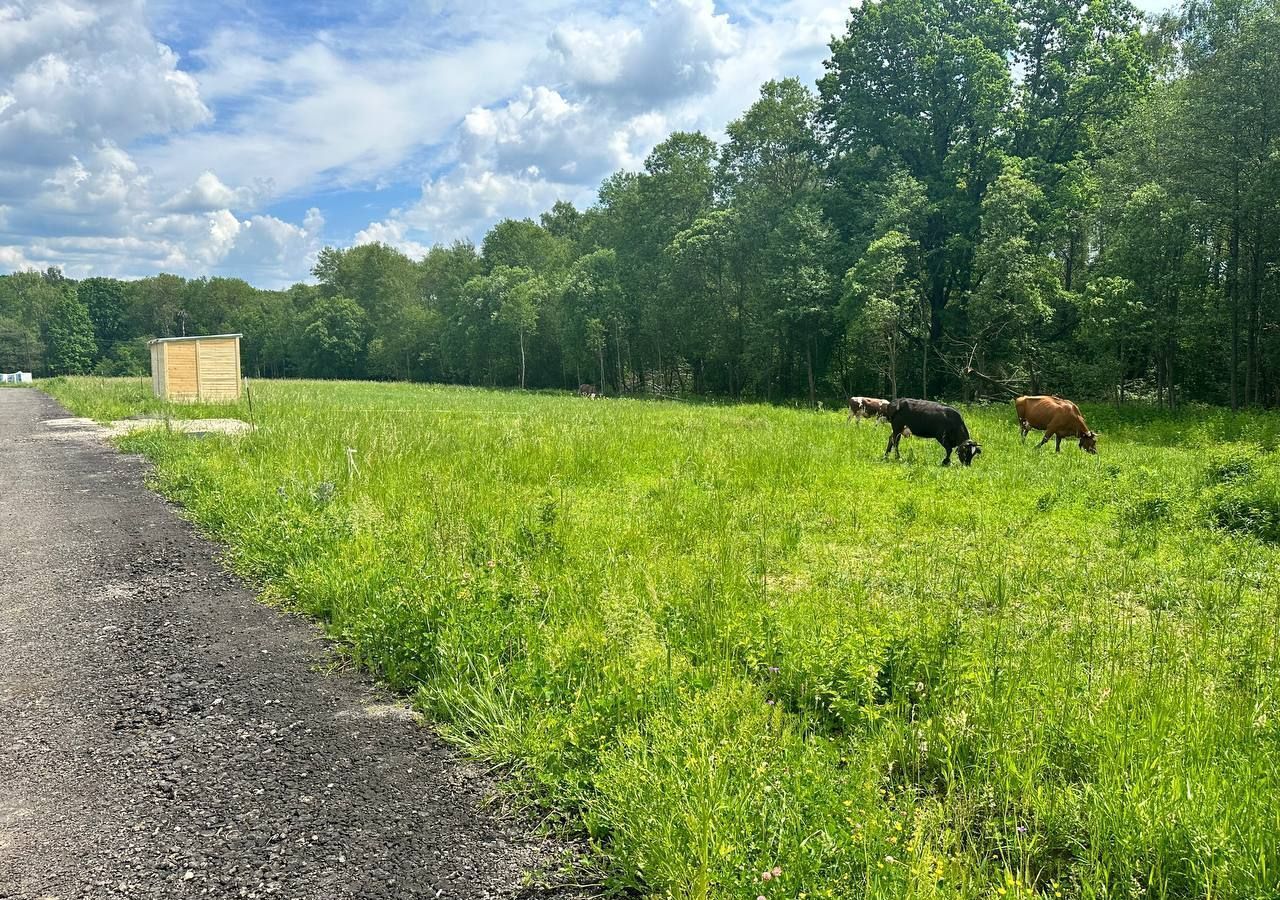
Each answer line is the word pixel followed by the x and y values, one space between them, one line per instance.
pixel 15 377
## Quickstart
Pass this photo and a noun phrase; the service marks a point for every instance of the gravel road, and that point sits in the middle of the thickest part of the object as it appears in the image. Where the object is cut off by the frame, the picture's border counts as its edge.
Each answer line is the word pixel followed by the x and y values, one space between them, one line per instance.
pixel 162 734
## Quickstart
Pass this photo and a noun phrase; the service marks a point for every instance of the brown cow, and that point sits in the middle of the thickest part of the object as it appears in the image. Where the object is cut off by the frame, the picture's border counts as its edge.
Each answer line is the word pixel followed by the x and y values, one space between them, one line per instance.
pixel 1057 418
pixel 867 408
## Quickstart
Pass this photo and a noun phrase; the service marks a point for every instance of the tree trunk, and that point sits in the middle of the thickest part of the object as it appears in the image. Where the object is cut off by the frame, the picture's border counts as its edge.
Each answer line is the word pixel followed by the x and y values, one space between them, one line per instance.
pixel 1122 374
pixel 808 358
pixel 617 341
pixel 893 369
pixel 522 360
pixel 1233 291
pixel 924 369
pixel 1254 365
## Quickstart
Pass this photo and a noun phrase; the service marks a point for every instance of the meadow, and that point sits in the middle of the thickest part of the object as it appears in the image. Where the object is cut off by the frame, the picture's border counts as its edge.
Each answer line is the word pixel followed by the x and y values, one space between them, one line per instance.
pixel 748 658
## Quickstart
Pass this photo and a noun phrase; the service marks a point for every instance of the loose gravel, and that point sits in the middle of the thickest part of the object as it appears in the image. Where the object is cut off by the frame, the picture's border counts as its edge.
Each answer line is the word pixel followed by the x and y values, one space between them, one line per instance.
pixel 163 734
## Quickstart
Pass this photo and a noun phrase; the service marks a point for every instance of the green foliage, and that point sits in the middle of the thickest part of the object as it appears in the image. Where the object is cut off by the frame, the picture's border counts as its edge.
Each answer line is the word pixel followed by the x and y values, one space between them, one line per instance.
pixel 333 338
pixel 1021 196
pixel 107 302
pixel 68 336
pixel 730 640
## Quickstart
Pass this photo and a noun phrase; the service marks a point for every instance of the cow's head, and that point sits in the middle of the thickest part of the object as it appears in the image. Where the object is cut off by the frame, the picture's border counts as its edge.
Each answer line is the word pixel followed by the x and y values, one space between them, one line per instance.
pixel 967 451
pixel 1089 441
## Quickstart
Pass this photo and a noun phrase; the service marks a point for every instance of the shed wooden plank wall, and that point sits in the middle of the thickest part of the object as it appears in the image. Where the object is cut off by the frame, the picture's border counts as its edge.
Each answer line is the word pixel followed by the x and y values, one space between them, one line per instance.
pixel 198 369
pixel 218 367
pixel 181 380
pixel 157 369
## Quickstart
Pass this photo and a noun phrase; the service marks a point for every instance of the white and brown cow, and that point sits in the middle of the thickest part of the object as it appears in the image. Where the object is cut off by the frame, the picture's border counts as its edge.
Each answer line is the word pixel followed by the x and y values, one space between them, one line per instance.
pixel 867 408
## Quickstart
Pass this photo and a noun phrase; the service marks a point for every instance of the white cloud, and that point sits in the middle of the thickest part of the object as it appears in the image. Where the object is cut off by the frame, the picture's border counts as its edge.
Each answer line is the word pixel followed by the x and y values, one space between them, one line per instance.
pixel 393 234
pixel 117 156
pixel 76 73
pixel 82 80
pixel 209 193
pixel 464 202
pixel 317 118
pixel 672 53
pixel 14 259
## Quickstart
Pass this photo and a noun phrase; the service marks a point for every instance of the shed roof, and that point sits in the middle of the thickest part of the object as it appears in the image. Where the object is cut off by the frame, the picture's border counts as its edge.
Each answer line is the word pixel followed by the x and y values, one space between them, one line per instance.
pixel 192 337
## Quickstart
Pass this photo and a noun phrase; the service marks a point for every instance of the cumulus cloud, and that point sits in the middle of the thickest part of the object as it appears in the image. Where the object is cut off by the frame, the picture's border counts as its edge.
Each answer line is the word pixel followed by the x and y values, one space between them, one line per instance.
pixel 106 182
pixel 209 193
pixel 14 259
pixel 118 156
pixel 79 72
pixel 618 81
pixel 307 116
pixel 462 203
pixel 674 52
pixel 82 80
pixel 563 141
pixel 393 233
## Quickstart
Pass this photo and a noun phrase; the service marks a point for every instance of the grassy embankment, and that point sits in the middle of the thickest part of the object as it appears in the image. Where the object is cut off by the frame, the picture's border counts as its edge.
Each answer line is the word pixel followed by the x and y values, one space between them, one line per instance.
pixel 724 639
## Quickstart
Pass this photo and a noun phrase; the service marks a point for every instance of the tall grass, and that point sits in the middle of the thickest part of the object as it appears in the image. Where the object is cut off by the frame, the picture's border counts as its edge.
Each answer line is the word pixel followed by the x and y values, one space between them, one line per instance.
pixel 730 641
pixel 111 399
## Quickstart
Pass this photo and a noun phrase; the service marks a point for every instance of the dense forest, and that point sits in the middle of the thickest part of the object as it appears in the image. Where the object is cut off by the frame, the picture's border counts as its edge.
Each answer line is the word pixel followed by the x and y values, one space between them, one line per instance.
pixel 977 198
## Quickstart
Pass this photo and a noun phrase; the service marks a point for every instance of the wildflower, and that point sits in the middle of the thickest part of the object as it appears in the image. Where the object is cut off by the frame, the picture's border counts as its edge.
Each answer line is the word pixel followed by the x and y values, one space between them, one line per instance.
pixel 774 669
pixel 762 897
pixel 492 563
pixel 771 701
pixel 1022 829
pixel 766 875
pixel 777 871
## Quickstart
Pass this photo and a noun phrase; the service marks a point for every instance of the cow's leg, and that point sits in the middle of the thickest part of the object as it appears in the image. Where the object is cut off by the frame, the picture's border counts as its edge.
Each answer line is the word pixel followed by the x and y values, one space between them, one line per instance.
pixel 946 460
pixel 1025 426
pixel 891 445
pixel 1043 441
pixel 1058 448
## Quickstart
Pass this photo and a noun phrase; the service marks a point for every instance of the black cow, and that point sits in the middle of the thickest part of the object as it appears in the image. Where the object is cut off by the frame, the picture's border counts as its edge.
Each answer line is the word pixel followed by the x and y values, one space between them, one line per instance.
pixel 926 419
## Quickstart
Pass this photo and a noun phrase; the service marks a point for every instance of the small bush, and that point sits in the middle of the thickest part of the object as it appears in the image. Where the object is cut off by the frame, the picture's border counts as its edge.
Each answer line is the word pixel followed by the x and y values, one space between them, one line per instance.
pixel 1146 509
pixel 1232 462
pixel 1247 507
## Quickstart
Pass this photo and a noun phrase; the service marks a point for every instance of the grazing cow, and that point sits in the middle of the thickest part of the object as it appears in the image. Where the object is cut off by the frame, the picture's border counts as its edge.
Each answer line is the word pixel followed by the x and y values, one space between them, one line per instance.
pixel 866 408
pixel 1057 418
pixel 588 390
pixel 926 419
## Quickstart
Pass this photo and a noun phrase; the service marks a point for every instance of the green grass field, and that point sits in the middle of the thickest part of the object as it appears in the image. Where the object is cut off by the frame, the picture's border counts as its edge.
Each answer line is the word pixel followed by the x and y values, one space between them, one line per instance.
pixel 724 639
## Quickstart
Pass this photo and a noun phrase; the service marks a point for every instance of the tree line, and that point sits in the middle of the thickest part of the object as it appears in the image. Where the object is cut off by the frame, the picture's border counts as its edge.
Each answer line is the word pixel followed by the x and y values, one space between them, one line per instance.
pixel 976 199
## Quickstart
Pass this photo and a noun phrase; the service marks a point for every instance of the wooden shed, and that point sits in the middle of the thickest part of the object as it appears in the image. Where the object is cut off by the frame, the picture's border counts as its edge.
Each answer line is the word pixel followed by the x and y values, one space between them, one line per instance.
pixel 202 367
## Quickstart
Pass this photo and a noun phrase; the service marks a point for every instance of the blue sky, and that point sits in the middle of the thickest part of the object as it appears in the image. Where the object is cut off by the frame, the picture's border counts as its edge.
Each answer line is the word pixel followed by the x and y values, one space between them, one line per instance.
pixel 238 138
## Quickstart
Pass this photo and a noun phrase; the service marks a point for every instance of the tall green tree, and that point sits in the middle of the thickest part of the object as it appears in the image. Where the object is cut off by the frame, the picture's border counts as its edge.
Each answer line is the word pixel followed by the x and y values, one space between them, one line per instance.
pixel 334 339
pixel 921 87
pixel 1016 283
pixel 884 306
pixel 68 336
